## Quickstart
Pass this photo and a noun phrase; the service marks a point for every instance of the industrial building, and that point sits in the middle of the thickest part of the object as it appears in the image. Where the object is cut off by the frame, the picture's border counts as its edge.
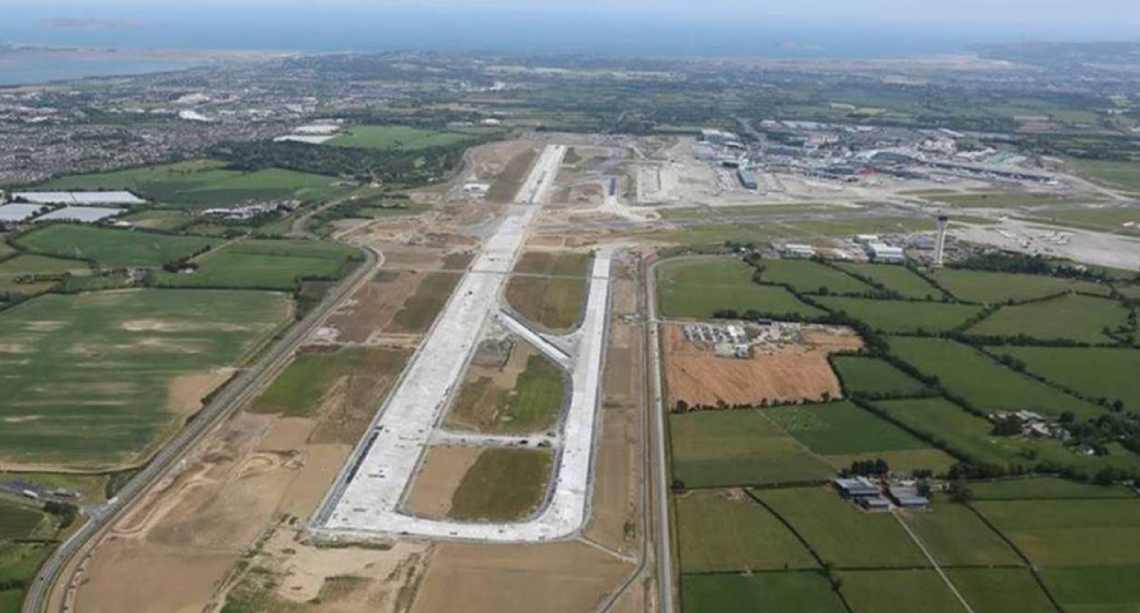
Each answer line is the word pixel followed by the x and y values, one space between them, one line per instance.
pixel 796 250
pixel 907 497
pixel 856 487
pixel 882 252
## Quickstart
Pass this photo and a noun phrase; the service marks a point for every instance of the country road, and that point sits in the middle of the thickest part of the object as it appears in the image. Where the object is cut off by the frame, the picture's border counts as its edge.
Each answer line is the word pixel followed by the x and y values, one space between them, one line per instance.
pixel 231 397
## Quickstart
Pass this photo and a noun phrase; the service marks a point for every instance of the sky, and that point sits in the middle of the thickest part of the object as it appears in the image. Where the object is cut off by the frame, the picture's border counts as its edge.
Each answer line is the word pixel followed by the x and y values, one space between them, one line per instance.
pixel 650 27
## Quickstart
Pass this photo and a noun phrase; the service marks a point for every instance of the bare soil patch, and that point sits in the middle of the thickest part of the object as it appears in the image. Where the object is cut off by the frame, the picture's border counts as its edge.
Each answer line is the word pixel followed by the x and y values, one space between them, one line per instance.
pixel 439 477
pixel 187 391
pixel 421 308
pixel 774 373
pixel 374 305
pixel 557 578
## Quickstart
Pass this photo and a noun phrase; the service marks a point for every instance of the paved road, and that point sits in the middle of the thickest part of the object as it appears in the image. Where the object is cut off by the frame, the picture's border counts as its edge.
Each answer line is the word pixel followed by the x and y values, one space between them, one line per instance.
pixel 657 409
pixel 232 396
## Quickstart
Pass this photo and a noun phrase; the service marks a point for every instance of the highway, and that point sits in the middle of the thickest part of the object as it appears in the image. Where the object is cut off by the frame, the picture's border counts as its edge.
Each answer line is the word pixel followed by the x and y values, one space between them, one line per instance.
pixel 231 397
pixel 657 409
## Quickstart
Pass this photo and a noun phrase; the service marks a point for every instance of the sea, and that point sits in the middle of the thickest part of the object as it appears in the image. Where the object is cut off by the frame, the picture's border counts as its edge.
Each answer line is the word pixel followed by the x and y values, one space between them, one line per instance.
pixel 385 27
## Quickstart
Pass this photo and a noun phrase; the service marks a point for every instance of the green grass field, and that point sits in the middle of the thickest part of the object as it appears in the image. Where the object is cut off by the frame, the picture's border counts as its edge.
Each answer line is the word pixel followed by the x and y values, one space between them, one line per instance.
pixel 1074 318
pixel 402 138
pixel 840 532
pixel 1110 173
pixel 895 278
pixel 842 428
pixel 891 591
pixel 1007 199
pixel 805 276
pixel 562 264
pixel 159 219
pixel 552 303
pixel 533 405
pixel 955 536
pixel 1102 218
pixel 739 447
pixel 698 287
pixel 88 376
pixel 1095 589
pixel 503 484
pixel 18 566
pixel 902 316
pixel 263 264
pixel 725 530
pixel 969 374
pixel 997 287
pixel 1044 488
pixel 1094 371
pixel 905 462
pixel 1092 532
pixel 205 183
pixel 802 592
pixel 300 388
pixel 874 376
pixel 110 247
pixel 14 272
pixel 970 435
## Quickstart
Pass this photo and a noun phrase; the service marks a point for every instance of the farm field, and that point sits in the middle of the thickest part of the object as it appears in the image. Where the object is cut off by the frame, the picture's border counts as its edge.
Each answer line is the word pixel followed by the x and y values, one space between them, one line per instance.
pixel 1074 317
pixel 983 382
pixel 98 380
pixel 985 287
pixel 839 532
pixel 697 377
pixel 889 591
pixel 902 316
pixel 1001 590
pixel 726 530
pixel 1044 488
pixel 1095 589
pixel 698 287
pixel 554 304
pixel 502 484
pixel 739 447
pixel 12 269
pixel 109 247
pixel 863 375
pixel 955 536
pixel 898 279
pixel 806 276
pixel 204 184
pixel 18 521
pixel 1093 371
pixel 1054 533
pixel 806 591
pixel 262 264
pixel 842 428
pixel 401 138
